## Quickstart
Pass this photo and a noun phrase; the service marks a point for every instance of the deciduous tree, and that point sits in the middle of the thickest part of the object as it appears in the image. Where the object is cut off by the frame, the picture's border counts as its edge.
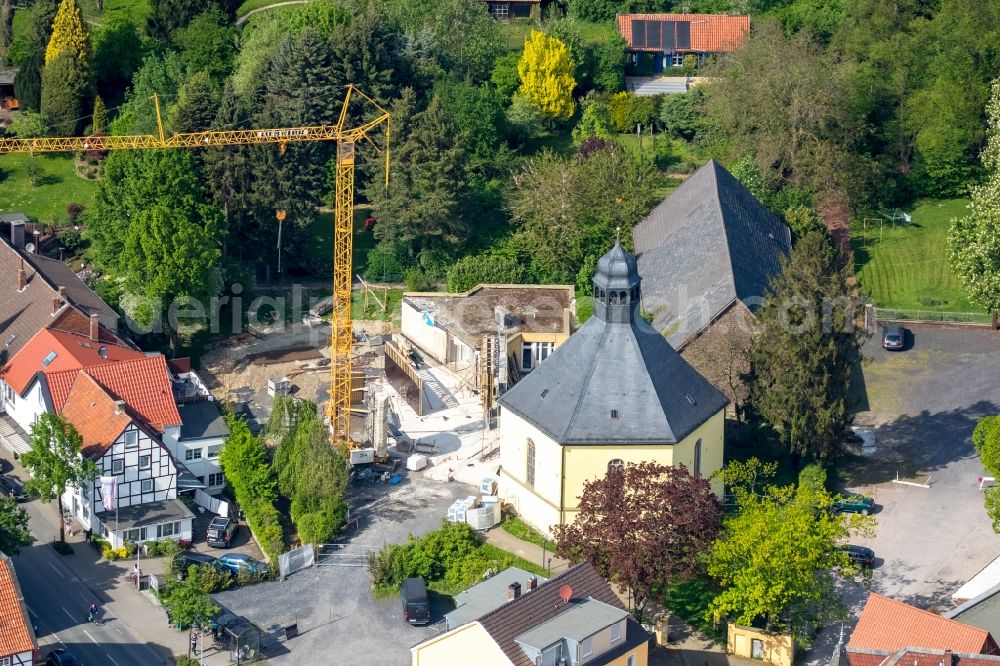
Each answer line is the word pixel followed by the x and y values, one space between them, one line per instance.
pixel 643 526
pixel 208 44
pixel 806 344
pixel 986 440
pixel 777 559
pixel 974 240
pixel 546 71
pixel 14 532
pixel 55 462
pixel 118 53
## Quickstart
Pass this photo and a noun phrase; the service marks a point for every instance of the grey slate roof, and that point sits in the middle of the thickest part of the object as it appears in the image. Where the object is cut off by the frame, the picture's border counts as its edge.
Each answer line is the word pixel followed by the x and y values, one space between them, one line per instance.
pixel 585 618
pixel 201 420
pixel 982 611
pixel 486 596
pixel 628 367
pixel 705 246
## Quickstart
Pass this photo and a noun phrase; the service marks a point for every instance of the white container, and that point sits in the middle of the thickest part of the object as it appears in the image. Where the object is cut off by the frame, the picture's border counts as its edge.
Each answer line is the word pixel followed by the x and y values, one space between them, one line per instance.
pixel 416 462
pixel 489 500
pixel 488 486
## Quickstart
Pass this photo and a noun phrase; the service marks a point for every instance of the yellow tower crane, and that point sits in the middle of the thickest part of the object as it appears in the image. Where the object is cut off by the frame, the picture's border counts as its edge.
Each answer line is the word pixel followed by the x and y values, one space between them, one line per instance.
pixel 342 337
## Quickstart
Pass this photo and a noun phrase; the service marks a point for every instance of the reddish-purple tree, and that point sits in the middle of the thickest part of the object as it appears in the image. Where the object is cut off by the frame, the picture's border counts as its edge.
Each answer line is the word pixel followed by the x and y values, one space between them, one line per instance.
pixel 642 525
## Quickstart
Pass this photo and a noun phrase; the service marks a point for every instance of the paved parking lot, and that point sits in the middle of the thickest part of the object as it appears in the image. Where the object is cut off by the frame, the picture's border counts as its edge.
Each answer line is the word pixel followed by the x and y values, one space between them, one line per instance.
pixel 338 620
pixel 924 403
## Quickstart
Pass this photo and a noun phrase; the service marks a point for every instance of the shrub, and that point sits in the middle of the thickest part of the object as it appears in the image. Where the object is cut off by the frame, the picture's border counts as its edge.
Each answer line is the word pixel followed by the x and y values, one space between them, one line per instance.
pixel 184 660
pixel 109 553
pixel 595 122
pixel 629 110
pixel 73 211
pixel 486 269
pixel 417 280
pixel 34 172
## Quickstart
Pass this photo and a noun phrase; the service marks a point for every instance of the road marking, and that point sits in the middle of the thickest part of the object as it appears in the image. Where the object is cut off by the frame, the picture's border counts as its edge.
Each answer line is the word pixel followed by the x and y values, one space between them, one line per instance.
pixel 112 660
pixel 55 569
pixel 90 637
pixel 68 613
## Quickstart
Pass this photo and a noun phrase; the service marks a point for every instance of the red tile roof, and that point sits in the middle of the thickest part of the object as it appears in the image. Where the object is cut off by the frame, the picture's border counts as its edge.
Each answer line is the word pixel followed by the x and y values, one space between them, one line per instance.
pixel 916 656
pixel 16 635
pixel 887 624
pixel 72 350
pixel 144 385
pixel 95 415
pixel 710 33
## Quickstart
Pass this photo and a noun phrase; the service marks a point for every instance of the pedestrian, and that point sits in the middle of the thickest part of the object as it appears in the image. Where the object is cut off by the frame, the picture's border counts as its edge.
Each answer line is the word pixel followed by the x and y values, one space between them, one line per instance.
pixel 194 643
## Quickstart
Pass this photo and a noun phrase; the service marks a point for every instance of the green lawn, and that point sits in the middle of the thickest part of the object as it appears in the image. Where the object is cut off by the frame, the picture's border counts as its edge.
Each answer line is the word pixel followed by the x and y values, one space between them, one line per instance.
pixel 523 531
pixel 59 187
pixel 905 267
pixel 374 311
pixel 515 32
pixel 322 248
pixel 135 10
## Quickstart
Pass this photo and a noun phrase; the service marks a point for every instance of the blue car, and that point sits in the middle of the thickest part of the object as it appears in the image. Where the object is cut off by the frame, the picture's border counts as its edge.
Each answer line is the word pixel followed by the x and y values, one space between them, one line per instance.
pixel 237 562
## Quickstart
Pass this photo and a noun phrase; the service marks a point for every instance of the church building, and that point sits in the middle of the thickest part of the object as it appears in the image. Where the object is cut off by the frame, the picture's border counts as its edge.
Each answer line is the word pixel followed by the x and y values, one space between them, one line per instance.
pixel 615 393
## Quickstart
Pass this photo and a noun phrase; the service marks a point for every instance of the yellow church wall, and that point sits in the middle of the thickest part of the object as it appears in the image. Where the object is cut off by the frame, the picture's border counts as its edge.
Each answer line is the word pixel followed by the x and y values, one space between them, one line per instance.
pixel 461 645
pixel 554 497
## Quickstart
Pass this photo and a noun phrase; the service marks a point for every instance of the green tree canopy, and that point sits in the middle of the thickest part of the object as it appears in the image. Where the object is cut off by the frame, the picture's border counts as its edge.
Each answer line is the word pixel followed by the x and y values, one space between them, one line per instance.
pixel 208 44
pixel 14 532
pixel 777 559
pixel 546 71
pixel 802 357
pixel 485 269
pixel 55 462
pixel 118 53
pixel 986 440
pixel 974 240
pixel 65 86
pixel 28 82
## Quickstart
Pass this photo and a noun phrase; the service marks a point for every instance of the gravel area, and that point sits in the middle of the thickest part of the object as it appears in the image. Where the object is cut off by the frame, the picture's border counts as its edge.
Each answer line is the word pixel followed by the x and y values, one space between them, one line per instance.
pixel 337 618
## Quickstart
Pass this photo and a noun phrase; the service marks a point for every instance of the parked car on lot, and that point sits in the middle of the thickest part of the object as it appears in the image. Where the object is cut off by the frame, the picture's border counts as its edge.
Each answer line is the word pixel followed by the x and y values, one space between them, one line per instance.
pixel 860 555
pixel 183 561
pixel 61 657
pixel 894 336
pixel 237 562
pixel 12 487
pixel 854 504
pixel 416 607
pixel 221 532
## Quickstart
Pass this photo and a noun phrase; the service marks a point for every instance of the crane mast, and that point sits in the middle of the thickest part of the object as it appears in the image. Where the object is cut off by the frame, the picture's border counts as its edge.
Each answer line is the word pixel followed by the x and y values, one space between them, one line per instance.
pixel 338 406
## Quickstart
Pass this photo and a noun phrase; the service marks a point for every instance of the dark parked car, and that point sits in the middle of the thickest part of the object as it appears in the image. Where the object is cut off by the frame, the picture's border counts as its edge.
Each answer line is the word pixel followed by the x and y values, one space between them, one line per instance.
pixel 416 607
pixel 61 657
pixel 237 562
pixel 221 532
pixel 854 504
pixel 860 555
pixel 183 561
pixel 11 487
pixel 894 337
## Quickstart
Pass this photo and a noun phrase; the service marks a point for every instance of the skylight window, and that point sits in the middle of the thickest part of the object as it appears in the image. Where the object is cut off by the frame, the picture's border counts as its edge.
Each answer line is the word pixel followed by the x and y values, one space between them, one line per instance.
pixel 48 359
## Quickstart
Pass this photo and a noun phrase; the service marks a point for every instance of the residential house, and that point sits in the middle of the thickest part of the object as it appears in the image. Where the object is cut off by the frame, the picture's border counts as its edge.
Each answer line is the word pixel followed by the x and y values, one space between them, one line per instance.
pixel 37 289
pixel 572 619
pixel 122 402
pixel 890 630
pixel 657 42
pixel 18 646
pixel 515 9
pixel 455 328
pixel 202 434
pixel 707 254
pixel 616 392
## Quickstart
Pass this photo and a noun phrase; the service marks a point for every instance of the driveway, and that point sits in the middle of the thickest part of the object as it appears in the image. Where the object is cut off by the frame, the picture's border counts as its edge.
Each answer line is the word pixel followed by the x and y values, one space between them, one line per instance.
pixel 924 403
pixel 338 621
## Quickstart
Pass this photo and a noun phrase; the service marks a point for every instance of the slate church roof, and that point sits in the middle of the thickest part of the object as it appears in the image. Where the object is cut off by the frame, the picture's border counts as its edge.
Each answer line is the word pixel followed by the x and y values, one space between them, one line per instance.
pixel 706 246
pixel 616 380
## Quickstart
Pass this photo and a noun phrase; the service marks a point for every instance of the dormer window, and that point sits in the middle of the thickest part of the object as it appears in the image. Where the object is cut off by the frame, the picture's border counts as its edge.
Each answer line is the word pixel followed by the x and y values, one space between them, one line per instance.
pixel 587 647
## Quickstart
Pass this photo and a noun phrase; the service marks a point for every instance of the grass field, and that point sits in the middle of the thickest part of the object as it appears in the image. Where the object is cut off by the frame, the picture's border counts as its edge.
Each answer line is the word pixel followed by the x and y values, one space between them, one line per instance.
pixel 59 187
pixel 905 267
pixel 515 32
pixel 251 5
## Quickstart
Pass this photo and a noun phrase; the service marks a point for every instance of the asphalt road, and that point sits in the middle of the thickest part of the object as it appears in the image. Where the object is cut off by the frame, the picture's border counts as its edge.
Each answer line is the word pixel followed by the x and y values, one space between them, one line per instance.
pixel 57 602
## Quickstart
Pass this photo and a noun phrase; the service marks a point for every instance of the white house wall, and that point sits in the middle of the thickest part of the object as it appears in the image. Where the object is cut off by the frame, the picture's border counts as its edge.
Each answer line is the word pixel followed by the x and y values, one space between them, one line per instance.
pixel 204 466
pixel 25 409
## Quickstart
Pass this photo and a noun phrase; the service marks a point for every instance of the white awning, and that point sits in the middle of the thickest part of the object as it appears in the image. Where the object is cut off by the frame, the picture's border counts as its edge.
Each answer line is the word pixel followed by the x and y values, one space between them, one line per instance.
pixel 13 437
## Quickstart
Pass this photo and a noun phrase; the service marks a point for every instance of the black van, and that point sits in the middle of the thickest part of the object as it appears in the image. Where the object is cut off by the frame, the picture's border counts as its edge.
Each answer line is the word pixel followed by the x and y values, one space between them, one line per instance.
pixel 416 609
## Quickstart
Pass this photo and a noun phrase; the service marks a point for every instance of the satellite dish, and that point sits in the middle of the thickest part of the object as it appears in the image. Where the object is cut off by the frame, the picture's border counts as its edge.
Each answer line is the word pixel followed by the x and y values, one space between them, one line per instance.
pixel 565 593
pixel 29 248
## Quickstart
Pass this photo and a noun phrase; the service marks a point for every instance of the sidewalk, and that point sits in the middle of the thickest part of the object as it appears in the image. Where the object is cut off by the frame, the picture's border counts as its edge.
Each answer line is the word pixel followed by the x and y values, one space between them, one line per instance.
pixel 502 539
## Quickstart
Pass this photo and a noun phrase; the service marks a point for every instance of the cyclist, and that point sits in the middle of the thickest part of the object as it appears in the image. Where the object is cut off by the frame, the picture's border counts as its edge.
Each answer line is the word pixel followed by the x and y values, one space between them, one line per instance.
pixel 92 613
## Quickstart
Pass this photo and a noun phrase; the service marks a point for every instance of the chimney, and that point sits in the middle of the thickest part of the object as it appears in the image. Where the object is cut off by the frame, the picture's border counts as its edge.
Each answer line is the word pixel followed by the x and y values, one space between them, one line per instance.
pixel 17 234
pixel 532 584
pixel 119 406
pixel 947 660
pixel 62 292
pixel 56 304
pixel 513 591
pixel 95 328
pixel 22 277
